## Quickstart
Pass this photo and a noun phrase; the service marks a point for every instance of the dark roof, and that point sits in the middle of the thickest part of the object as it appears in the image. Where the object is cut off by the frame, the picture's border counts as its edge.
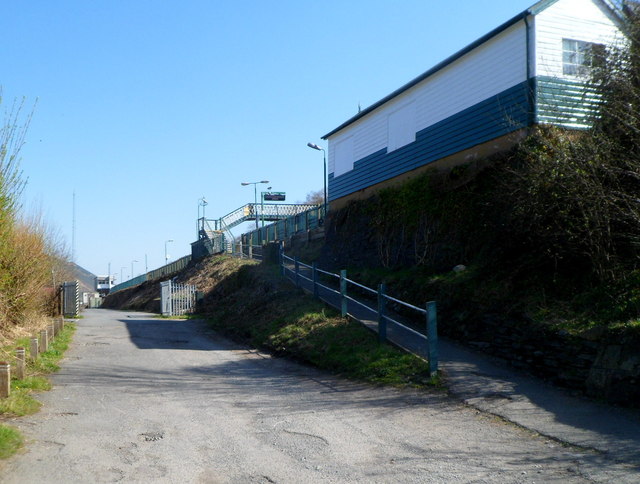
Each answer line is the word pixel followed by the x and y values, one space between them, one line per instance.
pixel 533 10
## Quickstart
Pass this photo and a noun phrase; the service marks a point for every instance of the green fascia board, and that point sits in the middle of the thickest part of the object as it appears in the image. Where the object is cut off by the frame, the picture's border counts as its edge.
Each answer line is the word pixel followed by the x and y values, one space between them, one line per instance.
pixel 533 10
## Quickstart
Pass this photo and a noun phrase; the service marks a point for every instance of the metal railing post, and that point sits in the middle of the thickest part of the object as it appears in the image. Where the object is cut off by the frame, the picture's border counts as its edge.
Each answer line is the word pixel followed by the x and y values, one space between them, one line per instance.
pixel 314 277
pixel 432 337
pixel 296 264
pixel 343 292
pixel 281 251
pixel 382 306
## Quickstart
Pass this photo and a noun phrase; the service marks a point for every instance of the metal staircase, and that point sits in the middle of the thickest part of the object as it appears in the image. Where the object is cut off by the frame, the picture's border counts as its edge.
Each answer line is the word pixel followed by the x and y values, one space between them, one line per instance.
pixel 263 212
pixel 267 212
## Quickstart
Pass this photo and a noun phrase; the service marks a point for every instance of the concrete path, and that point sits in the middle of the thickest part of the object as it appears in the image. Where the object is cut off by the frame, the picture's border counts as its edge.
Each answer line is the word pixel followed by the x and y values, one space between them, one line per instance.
pixel 492 386
pixel 146 400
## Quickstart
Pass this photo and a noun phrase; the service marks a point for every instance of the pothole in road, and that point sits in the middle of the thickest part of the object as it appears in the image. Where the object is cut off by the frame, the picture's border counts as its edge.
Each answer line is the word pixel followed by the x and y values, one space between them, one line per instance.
pixel 152 436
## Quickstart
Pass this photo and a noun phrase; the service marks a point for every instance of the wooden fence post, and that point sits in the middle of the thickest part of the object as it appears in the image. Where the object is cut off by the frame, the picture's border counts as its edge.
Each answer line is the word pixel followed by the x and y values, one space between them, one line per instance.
pixel 44 342
pixel 382 306
pixel 296 263
pixel 432 337
pixel 34 349
pixel 20 363
pixel 343 292
pixel 5 379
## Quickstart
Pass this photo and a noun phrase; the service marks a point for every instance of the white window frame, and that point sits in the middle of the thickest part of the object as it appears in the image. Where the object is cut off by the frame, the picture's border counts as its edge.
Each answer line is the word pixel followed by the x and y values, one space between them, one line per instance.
pixel 578 56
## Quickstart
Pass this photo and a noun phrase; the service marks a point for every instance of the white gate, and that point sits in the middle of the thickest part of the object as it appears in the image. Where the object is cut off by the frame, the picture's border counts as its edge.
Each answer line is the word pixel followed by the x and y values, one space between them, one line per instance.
pixel 177 299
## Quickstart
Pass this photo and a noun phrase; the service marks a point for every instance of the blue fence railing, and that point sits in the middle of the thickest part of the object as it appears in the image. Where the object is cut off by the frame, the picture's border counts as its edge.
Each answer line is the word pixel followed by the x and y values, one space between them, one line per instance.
pixel 307 220
pixel 130 283
pixel 372 310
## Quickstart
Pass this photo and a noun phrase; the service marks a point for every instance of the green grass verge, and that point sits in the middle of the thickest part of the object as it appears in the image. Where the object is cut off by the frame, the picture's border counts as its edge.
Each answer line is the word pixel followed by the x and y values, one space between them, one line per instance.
pixel 47 362
pixel 267 311
pixel 346 347
pixel 21 401
pixel 10 441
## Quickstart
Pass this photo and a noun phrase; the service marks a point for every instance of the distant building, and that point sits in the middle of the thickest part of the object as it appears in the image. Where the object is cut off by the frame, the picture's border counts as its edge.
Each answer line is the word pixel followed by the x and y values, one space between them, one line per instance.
pixel 530 70
pixel 104 284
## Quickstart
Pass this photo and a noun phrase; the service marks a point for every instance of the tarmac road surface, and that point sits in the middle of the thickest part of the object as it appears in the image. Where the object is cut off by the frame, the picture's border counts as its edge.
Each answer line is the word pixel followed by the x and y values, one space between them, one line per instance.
pixel 141 399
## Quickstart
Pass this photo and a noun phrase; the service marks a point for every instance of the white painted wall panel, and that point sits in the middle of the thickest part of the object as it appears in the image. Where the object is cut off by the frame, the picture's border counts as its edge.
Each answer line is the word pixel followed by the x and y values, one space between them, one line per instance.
pixel 343 156
pixel 569 19
pixel 401 125
pixel 491 68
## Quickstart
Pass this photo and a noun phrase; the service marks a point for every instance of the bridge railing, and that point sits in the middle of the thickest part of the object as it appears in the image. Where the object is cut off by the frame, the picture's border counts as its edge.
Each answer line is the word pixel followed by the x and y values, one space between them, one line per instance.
pixel 261 212
pixel 309 219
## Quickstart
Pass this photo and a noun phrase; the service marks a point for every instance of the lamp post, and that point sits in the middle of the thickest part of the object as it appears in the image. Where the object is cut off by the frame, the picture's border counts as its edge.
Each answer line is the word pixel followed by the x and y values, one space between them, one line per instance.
pixel 121 277
pixel 255 196
pixel 324 156
pixel 202 202
pixel 132 267
pixel 262 206
pixel 166 256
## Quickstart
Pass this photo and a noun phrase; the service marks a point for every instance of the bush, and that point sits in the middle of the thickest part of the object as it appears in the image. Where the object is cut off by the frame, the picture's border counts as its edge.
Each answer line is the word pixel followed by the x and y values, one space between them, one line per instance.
pixel 28 254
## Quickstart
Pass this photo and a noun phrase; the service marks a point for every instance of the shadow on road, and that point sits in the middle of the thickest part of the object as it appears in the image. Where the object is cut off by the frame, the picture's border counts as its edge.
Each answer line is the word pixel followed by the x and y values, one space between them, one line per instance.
pixel 171 334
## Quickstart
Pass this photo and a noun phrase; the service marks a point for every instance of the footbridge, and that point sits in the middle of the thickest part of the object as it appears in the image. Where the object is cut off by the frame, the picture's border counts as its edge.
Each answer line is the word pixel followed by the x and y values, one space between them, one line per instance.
pixel 212 231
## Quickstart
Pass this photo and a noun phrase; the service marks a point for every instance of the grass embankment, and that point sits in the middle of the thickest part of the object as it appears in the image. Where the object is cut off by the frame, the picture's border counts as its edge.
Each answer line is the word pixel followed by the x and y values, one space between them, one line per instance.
pixel 21 401
pixel 253 303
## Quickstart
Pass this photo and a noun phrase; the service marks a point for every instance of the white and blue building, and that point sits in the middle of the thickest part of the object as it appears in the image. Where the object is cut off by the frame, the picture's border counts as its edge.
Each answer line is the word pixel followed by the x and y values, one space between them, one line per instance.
pixel 530 70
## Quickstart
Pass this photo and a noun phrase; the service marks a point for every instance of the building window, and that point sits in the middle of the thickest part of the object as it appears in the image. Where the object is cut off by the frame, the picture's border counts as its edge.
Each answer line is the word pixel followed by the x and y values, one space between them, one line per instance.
pixel 579 57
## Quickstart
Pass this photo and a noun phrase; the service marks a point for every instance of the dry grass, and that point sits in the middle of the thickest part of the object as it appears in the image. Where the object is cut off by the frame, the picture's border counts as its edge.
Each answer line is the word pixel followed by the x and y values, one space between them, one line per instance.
pixel 26 282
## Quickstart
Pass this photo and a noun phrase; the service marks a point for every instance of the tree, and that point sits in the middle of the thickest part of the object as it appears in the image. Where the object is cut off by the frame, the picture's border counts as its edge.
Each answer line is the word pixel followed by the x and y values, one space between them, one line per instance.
pixel 315 198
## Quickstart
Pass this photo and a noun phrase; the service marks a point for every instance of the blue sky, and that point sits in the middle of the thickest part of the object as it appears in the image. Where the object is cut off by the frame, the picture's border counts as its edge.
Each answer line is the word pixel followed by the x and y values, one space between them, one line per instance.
pixel 143 107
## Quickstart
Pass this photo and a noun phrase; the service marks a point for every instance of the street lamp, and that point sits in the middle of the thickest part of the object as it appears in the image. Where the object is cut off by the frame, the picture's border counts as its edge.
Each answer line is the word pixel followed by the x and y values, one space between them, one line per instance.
pixel 166 256
pixel 132 267
pixel 255 195
pixel 202 202
pixel 324 156
pixel 121 277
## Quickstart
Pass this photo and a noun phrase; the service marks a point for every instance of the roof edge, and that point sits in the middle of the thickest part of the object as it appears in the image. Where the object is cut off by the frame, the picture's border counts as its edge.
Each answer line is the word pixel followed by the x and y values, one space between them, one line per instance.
pixel 441 65
pixel 533 10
